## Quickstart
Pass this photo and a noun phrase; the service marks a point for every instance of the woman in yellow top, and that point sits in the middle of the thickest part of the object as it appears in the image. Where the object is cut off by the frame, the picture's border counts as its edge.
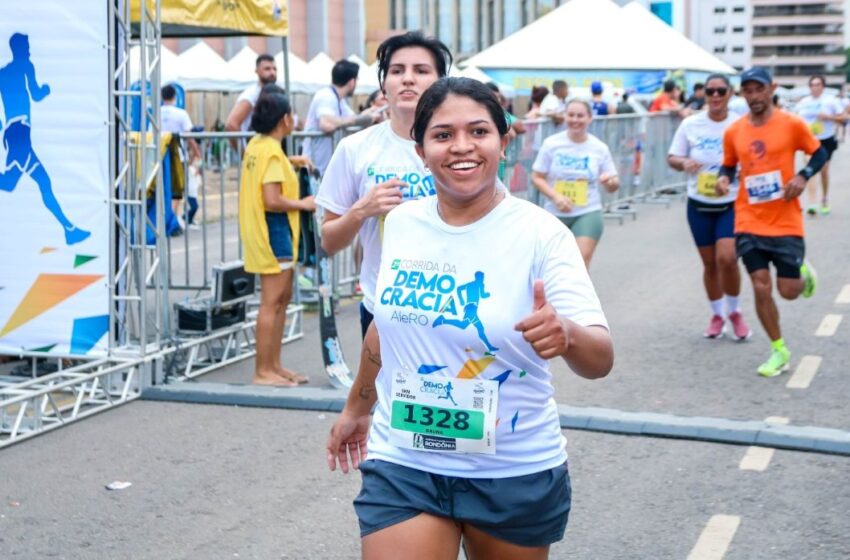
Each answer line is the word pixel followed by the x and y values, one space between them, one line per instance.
pixel 269 225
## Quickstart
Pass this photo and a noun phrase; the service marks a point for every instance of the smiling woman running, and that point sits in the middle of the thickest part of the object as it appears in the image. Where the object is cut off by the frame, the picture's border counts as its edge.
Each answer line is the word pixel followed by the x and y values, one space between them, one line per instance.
pixel 569 170
pixel 466 441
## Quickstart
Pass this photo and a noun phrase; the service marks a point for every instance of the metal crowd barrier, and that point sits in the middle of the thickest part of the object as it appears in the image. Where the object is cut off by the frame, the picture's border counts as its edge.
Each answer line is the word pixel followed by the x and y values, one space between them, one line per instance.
pixel 638 144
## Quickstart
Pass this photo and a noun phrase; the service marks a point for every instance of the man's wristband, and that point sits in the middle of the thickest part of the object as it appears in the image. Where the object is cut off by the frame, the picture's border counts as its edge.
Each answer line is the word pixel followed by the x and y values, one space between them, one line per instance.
pixel 806 173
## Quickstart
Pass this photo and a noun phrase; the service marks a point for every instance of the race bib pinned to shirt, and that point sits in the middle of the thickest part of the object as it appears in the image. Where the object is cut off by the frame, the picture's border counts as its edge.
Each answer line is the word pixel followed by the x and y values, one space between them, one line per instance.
pixel 575 189
pixel 764 187
pixel 706 183
pixel 443 414
pixel 816 127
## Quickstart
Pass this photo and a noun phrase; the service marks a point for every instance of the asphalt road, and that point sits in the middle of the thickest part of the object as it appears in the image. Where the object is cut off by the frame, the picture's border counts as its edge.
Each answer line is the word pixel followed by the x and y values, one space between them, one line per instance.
pixel 230 482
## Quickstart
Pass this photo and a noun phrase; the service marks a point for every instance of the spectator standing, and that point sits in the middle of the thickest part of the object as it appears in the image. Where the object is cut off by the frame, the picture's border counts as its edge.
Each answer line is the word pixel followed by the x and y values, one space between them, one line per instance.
pixel 600 107
pixel 329 111
pixel 239 118
pixel 554 105
pixel 667 100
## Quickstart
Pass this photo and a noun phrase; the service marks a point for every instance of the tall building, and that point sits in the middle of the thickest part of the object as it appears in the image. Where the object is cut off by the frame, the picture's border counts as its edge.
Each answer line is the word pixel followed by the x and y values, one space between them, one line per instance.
pixel 799 39
pixel 724 28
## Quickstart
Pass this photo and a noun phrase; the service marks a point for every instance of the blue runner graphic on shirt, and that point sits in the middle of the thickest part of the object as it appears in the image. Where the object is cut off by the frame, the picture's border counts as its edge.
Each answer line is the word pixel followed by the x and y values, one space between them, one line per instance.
pixel 448 394
pixel 17 85
pixel 475 292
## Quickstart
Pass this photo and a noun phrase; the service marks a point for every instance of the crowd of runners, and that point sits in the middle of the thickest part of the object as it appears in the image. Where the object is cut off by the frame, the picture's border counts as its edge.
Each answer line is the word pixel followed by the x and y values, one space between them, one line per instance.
pixel 454 429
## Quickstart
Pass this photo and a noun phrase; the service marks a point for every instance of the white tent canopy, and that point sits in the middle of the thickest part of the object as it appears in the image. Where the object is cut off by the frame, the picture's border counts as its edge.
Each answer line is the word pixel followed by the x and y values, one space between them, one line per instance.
pixel 475 73
pixel 169 71
pixel 319 69
pixel 597 35
pixel 681 51
pixel 201 68
pixel 367 76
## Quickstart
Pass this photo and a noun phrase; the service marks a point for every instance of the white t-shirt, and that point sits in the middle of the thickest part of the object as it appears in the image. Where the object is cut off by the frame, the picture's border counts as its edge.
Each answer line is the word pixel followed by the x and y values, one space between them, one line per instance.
pixel 553 104
pixel 425 272
pixel 561 159
pixel 361 161
pixel 701 139
pixel 174 119
pixel 810 107
pixel 250 95
pixel 325 103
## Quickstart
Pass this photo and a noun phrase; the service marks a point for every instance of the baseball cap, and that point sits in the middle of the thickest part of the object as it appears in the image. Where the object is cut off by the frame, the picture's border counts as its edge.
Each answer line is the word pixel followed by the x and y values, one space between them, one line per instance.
pixel 596 87
pixel 757 74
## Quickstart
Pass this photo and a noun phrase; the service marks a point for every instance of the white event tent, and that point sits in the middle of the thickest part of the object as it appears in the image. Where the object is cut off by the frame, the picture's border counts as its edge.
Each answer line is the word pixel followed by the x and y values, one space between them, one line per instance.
pixel 586 40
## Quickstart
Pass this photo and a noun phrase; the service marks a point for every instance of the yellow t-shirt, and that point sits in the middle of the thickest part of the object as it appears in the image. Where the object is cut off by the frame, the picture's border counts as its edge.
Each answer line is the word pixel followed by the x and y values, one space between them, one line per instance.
pixel 264 162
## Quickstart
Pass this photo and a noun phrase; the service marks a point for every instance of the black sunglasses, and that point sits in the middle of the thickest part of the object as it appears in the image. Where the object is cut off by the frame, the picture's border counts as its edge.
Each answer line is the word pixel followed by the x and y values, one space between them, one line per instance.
pixel 721 91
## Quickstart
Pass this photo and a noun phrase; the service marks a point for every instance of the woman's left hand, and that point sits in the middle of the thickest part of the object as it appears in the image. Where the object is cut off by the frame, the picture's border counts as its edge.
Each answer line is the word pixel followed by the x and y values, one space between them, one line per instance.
pixel 546 331
pixel 611 181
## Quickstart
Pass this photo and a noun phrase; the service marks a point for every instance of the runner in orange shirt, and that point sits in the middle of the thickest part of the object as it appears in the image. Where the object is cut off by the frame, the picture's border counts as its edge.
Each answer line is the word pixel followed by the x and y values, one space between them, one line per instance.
pixel 768 217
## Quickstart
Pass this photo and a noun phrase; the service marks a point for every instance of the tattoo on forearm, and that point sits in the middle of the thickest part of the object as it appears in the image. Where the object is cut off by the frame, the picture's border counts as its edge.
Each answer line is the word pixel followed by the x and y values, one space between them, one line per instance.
pixel 366 392
pixel 374 357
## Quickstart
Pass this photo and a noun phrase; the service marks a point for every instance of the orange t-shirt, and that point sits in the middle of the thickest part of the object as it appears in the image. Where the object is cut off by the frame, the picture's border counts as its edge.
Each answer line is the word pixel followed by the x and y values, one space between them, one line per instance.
pixel 766 155
pixel 663 103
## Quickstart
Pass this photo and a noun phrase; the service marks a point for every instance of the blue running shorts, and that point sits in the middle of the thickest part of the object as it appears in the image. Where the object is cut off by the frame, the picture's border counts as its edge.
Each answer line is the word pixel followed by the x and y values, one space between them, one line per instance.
pixel 530 510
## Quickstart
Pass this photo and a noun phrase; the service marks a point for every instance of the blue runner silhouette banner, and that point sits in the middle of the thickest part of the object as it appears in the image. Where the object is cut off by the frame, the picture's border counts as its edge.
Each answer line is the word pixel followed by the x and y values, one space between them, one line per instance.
pixel 54 178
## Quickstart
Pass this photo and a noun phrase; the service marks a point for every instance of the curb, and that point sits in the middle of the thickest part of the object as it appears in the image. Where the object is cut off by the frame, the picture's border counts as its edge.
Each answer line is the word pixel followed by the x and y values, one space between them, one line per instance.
pixel 606 420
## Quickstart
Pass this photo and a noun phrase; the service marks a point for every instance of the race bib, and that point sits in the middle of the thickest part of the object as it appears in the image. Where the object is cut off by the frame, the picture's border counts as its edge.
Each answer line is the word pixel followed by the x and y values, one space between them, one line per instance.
pixel 706 181
pixel 764 187
pixel 443 414
pixel 575 190
pixel 816 127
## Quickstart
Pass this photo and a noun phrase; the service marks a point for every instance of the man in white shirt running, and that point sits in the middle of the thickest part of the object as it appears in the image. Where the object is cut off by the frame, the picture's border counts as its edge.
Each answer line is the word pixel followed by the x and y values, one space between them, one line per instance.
pixel 329 110
pixel 822 113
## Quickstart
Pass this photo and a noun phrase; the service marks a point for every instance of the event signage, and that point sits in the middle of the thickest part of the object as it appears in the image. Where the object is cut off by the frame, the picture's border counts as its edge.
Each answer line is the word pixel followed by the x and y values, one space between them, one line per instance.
pixel 54 178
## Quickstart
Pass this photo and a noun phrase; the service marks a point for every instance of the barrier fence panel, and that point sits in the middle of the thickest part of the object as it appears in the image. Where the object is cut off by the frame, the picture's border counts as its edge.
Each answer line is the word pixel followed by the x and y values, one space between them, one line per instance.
pixel 638 145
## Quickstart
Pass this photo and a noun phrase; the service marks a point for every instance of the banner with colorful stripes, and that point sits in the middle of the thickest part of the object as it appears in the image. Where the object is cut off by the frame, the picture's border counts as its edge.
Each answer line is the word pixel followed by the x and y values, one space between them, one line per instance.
pixel 54 177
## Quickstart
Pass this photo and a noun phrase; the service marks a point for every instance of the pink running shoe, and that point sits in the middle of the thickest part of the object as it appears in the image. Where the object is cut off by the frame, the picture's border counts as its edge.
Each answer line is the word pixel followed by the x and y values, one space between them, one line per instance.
pixel 715 327
pixel 740 329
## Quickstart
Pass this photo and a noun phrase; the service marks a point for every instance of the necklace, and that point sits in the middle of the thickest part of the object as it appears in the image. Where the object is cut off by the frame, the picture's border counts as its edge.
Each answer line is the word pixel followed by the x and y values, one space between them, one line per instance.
pixel 497 197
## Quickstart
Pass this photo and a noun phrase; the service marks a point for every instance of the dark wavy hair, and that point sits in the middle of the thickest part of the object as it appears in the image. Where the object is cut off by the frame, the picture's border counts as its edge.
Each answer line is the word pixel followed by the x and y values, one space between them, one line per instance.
pixel 271 106
pixel 436 95
pixel 441 53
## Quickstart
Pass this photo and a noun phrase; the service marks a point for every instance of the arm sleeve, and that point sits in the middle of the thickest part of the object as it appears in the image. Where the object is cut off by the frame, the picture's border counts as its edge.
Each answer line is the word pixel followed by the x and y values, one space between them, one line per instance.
pixel 338 190
pixel 815 163
pixel 566 281
pixel 679 145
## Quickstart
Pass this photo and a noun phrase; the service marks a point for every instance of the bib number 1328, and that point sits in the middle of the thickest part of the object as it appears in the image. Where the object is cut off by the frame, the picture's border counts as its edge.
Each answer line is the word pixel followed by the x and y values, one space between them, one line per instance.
pixel 424 419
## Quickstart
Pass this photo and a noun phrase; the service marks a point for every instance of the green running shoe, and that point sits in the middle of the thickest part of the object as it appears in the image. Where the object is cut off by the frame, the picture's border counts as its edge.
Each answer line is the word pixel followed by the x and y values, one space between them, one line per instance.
pixel 825 210
pixel 776 364
pixel 810 279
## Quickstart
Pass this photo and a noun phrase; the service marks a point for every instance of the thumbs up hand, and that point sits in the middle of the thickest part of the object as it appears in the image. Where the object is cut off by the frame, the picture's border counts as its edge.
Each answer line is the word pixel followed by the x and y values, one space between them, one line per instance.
pixel 546 331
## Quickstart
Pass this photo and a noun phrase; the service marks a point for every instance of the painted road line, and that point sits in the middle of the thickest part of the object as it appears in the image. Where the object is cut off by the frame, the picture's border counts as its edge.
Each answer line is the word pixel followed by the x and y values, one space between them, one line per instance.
pixel 828 325
pixel 715 538
pixel 805 372
pixel 844 295
pixel 758 458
